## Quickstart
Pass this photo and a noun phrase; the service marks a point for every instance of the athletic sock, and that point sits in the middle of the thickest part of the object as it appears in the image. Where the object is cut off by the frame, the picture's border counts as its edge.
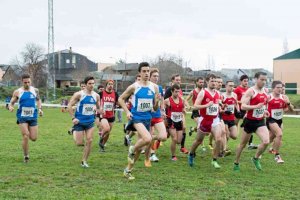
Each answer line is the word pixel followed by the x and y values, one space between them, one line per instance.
pixel 183 140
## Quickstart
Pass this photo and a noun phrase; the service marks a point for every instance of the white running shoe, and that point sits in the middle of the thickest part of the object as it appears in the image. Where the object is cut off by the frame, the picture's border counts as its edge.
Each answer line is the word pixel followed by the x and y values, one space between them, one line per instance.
pixel 278 159
pixel 84 164
pixel 154 158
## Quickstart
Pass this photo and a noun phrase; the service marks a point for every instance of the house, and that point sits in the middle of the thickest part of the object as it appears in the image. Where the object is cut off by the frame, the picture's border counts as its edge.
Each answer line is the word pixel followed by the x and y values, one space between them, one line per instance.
pixel 3 69
pixel 287 69
pixel 12 75
pixel 70 67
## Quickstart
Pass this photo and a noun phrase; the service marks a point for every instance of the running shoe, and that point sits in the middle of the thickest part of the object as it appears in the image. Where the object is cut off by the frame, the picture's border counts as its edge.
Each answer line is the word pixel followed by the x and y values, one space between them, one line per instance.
pixel 125 141
pixel 128 140
pixel 154 158
pixel 143 151
pixel 236 167
pixel 184 150
pixel 84 164
pixel 191 131
pixel 174 158
pixel 252 146
pixel 191 159
pixel 147 163
pixel 101 145
pixel 227 152
pixel 215 164
pixel 131 154
pixel 210 146
pixel 278 159
pixel 26 159
pixel 256 162
pixel 127 174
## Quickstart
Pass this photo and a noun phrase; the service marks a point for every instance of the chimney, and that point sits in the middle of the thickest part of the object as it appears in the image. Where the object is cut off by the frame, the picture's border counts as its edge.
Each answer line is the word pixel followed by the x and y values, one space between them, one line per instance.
pixel 70 50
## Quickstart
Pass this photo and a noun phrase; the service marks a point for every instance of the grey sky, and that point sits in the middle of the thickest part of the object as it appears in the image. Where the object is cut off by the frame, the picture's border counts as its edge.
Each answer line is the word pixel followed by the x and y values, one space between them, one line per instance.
pixel 236 32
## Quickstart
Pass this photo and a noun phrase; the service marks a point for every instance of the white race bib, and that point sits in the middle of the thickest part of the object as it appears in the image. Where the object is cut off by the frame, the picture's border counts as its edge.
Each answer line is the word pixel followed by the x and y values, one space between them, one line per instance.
pixel 176 116
pixel 27 112
pixel 277 113
pixel 212 110
pixel 144 105
pixel 88 109
pixel 108 106
pixel 230 108
pixel 258 112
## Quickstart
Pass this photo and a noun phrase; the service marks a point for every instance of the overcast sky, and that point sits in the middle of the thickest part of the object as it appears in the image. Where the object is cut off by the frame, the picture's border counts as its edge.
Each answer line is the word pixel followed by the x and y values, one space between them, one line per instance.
pixel 236 33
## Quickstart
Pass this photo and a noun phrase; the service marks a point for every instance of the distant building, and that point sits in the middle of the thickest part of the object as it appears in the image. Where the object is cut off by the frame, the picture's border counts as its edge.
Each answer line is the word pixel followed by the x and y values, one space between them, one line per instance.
pixel 12 75
pixel 70 68
pixel 287 69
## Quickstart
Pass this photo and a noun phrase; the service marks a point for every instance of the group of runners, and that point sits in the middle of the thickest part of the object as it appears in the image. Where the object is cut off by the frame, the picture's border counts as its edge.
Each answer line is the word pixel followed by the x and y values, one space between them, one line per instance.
pixel 154 115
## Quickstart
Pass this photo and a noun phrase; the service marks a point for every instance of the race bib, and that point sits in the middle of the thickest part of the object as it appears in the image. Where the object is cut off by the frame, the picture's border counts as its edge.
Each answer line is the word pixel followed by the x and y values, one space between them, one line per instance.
pixel 108 106
pixel 277 113
pixel 88 109
pixel 258 112
pixel 230 108
pixel 27 112
pixel 176 116
pixel 144 105
pixel 212 110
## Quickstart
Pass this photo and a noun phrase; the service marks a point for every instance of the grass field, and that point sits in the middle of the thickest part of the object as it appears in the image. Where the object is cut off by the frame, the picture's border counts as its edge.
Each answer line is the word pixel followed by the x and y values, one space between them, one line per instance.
pixel 54 171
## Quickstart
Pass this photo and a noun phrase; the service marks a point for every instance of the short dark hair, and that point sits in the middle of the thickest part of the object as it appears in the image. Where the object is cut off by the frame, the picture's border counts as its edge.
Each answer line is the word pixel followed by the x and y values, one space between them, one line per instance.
pixel 88 78
pixel 209 76
pixel 199 78
pixel 175 86
pixel 258 74
pixel 100 86
pixel 143 64
pixel 174 76
pixel 229 81
pixel 244 77
pixel 24 76
pixel 274 83
pixel 81 82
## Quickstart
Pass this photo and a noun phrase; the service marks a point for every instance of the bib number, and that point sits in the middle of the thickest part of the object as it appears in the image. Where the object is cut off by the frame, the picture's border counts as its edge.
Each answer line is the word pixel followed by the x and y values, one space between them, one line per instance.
pixel 230 108
pixel 176 116
pixel 277 113
pixel 27 112
pixel 145 105
pixel 259 112
pixel 108 106
pixel 212 110
pixel 88 109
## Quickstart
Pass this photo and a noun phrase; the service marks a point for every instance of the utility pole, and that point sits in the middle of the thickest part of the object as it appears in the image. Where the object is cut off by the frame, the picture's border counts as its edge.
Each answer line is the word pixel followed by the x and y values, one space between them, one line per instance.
pixel 50 57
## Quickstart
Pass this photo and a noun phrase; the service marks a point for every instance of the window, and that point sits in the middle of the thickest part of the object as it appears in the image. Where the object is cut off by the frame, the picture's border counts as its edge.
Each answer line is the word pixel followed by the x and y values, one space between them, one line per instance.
pixel 74 59
pixel 68 61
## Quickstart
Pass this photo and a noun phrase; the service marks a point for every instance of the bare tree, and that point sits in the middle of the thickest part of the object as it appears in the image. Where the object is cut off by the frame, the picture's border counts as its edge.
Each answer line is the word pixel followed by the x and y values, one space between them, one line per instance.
pixel 33 55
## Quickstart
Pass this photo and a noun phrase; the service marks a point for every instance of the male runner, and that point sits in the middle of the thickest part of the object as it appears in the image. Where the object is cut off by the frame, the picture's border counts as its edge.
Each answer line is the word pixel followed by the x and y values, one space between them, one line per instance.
pixel 209 122
pixel 240 91
pixel 83 119
pixel 277 104
pixel 145 98
pixel 29 106
pixel 108 101
pixel 175 111
pixel 254 102
pixel 177 79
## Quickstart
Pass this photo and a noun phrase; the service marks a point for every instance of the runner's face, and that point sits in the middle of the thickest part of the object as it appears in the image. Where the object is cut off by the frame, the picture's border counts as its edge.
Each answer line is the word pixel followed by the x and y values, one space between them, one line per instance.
pixel 138 79
pixel 145 73
pixel 200 83
pixel 82 86
pixel 244 83
pixel 278 89
pixel 109 86
pixel 212 83
pixel 177 80
pixel 261 81
pixel 175 93
pixel 229 87
pixel 219 83
pixel 154 77
pixel 90 85
pixel 26 83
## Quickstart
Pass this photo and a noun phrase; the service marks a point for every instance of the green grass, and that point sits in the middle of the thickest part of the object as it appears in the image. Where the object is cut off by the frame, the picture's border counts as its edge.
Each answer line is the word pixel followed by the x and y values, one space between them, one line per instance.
pixel 54 171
